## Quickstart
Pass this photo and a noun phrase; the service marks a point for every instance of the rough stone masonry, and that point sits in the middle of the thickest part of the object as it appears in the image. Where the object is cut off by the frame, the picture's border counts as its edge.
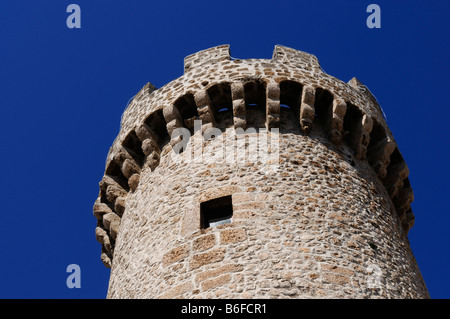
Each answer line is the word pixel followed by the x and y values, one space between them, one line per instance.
pixel 330 222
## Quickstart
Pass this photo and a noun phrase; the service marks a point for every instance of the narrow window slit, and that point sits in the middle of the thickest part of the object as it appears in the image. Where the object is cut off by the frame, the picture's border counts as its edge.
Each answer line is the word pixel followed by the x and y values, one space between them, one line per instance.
pixel 216 212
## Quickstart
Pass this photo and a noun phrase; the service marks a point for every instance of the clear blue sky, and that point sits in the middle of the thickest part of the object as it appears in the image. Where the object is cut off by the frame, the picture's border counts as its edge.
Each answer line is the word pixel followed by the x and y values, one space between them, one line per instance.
pixel 63 92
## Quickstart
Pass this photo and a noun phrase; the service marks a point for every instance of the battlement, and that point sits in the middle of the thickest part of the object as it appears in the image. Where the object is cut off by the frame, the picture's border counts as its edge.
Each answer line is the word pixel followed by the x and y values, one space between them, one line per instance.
pixel 281 54
pixel 211 55
pixel 295 57
pixel 289 92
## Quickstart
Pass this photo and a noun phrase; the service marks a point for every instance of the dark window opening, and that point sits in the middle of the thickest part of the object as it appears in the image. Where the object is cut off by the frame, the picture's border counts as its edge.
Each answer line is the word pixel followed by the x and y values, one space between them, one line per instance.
pixel 323 106
pixel 158 125
pixel 352 120
pixel 134 147
pixel 216 212
pixel 396 158
pixel 290 99
pixel 221 104
pixel 255 104
pixel 350 160
pixel 103 198
pixel 188 110
pixel 113 170
pixel 406 183
pixel 376 136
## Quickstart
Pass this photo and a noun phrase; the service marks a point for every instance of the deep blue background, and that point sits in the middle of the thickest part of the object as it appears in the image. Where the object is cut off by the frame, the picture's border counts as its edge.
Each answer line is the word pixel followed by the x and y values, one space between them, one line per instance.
pixel 62 92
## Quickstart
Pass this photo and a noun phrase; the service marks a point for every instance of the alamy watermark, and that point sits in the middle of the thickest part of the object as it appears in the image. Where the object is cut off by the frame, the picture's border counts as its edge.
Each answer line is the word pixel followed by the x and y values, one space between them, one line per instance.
pixel 74 19
pixel 232 146
pixel 374 19
pixel 74 279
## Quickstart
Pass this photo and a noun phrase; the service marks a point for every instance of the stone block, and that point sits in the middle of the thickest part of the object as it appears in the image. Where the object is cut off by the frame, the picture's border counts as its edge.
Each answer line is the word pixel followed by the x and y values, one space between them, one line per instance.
pixel 232 235
pixel 177 290
pixel 204 242
pixel 218 271
pixel 133 182
pixel 176 254
pixel 206 258
pixel 216 282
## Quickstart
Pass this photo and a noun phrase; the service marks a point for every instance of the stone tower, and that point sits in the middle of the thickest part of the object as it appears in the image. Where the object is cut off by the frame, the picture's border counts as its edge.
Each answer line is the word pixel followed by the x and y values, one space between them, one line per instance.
pixel 187 210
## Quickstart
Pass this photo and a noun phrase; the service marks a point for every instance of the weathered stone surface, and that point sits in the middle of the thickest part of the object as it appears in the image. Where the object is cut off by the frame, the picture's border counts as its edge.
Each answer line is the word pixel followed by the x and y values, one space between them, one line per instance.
pixel 153 160
pixel 122 155
pixel 336 278
pixel 114 191
pixel 215 282
pixel 175 255
pixel 106 259
pixel 307 109
pixel 204 242
pixel 103 238
pixel 149 146
pixel 204 107
pixel 119 205
pixel 133 182
pixel 212 193
pixel 336 126
pixel 101 209
pixel 219 271
pixel 207 258
pixel 360 137
pixel 144 132
pixel 337 269
pixel 112 222
pixel 130 167
pixel 228 236
pixel 108 180
pixel 177 291
pixel 380 156
pixel 237 96
pixel 272 105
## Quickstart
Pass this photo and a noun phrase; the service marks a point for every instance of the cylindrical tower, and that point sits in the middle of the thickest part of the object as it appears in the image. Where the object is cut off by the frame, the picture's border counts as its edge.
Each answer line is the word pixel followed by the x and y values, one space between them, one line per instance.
pixel 256 179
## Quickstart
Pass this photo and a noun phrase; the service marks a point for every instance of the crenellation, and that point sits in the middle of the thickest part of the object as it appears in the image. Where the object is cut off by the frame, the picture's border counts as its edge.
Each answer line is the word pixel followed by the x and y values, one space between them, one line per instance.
pixel 208 56
pixel 298 58
pixel 338 203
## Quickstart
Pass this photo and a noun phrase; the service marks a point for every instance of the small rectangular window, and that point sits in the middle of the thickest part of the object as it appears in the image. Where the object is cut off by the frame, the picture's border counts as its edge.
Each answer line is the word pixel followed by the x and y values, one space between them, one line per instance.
pixel 216 212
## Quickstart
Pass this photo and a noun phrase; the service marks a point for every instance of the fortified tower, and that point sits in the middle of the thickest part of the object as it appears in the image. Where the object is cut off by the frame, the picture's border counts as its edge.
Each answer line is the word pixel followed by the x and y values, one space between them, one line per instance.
pixel 187 212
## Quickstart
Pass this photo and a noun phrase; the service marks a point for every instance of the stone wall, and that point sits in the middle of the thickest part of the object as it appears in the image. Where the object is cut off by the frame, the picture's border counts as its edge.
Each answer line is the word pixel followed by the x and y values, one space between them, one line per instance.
pixel 329 223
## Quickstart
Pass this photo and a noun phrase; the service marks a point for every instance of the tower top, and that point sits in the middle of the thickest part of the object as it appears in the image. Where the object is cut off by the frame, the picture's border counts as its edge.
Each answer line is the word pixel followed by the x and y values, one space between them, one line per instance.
pixel 348 113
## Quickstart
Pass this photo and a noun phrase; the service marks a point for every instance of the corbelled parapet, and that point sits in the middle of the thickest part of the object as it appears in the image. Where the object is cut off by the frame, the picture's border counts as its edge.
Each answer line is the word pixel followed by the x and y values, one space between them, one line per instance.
pixel 222 92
